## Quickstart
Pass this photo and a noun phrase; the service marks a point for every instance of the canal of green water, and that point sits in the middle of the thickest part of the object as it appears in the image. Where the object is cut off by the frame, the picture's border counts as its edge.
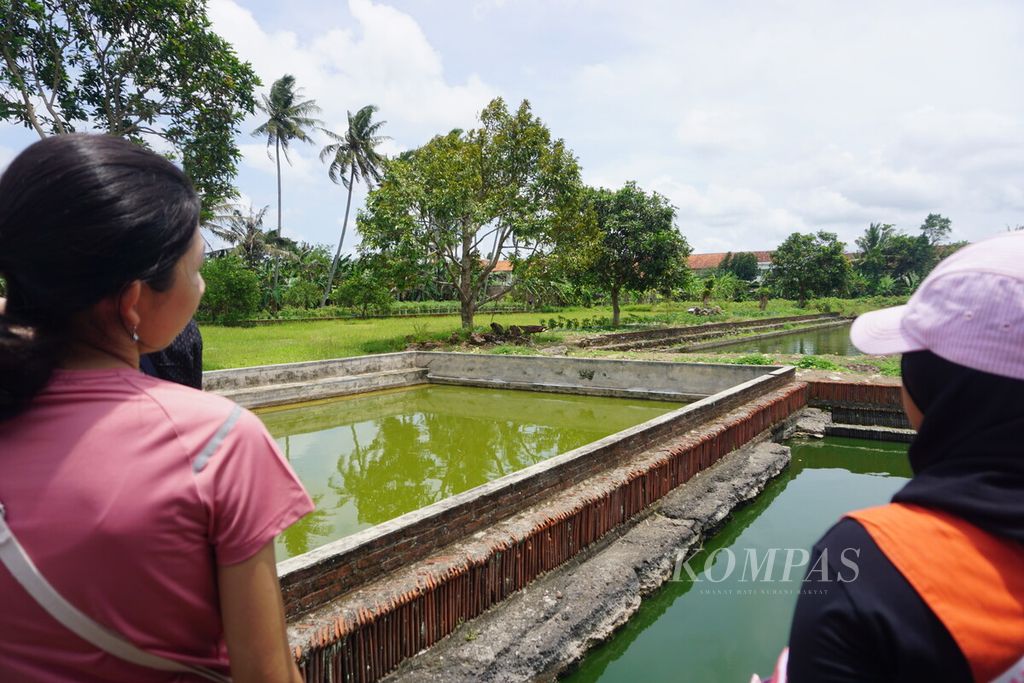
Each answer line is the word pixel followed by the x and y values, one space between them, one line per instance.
pixel 829 340
pixel 721 627
pixel 370 458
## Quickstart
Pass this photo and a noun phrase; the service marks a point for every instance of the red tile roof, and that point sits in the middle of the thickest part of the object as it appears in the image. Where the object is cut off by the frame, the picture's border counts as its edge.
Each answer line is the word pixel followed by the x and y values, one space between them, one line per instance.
pixel 499 267
pixel 709 261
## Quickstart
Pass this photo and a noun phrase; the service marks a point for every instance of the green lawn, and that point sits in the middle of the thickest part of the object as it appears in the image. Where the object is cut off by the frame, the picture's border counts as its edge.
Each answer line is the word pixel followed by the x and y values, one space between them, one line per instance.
pixel 232 347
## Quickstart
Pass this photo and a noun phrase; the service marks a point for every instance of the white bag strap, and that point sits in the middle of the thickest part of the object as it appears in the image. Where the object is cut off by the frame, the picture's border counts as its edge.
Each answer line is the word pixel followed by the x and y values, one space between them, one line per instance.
pixel 20 565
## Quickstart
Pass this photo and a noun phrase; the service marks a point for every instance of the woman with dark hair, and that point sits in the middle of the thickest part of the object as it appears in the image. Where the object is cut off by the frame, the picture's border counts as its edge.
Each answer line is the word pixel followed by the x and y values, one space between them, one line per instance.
pixel 137 516
pixel 939 588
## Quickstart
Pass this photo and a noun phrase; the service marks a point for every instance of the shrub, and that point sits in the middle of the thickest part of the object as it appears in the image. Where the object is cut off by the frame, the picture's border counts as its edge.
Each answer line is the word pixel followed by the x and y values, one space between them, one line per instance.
pixel 816 363
pixel 302 294
pixel 232 290
pixel 753 359
pixel 363 291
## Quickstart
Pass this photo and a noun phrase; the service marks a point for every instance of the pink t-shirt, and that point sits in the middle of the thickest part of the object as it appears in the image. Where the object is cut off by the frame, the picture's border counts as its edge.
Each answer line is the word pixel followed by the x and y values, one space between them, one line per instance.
pixel 127 492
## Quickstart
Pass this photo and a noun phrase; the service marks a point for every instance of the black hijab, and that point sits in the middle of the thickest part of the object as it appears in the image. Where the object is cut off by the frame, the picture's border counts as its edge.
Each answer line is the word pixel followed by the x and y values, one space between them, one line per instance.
pixel 968 456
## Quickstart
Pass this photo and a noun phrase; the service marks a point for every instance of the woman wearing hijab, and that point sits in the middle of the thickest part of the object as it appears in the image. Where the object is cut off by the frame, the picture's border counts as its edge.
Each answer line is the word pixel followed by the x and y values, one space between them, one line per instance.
pixel 939 591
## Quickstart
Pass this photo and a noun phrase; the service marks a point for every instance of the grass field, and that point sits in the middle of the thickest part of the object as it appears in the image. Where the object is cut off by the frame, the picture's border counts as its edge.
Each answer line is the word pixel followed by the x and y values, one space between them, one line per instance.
pixel 232 347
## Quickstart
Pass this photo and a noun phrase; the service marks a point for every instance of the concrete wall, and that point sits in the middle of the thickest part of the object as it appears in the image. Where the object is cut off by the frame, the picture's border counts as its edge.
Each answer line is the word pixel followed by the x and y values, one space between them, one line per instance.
pixel 221 381
pixel 690 379
pixel 270 385
pixel 663 333
pixel 316 577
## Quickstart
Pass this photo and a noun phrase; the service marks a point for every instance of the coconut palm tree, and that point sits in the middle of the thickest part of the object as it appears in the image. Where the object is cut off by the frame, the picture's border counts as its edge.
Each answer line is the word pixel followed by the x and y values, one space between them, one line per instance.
pixel 243 227
pixel 289 118
pixel 353 157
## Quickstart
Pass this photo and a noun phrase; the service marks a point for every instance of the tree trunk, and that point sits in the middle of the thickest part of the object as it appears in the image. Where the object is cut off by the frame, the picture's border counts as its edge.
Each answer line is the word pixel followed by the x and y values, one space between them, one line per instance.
pixel 615 307
pixel 277 259
pixel 467 310
pixel 467 297
pixel 277 158
pixel 344 227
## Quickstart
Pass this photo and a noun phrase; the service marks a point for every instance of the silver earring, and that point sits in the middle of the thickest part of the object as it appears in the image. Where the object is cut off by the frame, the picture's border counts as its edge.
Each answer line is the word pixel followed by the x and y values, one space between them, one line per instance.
pixel 135 335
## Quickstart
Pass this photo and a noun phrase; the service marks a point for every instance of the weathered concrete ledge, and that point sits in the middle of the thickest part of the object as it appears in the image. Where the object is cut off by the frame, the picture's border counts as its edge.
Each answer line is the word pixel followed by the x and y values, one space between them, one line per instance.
pixel 729 341
pixel 862 410
pixel 270 385
pixel 621 341
pixel 550 624
pixel 871 432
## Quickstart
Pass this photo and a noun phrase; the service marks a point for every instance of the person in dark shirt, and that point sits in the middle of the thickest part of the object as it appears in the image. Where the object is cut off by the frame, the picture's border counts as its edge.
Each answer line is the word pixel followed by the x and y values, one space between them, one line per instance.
pixel 938 592
pixel 181 362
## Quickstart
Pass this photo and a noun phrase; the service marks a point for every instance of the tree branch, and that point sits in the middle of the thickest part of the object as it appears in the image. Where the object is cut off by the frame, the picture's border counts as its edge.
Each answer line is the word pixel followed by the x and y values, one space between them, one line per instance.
pixel 30 110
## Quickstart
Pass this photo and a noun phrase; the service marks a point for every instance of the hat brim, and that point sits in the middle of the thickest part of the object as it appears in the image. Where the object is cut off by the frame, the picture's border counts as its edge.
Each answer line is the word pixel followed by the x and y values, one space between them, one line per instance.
pixel 880 333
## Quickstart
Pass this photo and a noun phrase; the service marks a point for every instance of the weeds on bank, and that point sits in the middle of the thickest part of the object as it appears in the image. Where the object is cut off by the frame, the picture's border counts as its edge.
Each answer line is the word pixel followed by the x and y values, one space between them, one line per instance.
pixel 817 363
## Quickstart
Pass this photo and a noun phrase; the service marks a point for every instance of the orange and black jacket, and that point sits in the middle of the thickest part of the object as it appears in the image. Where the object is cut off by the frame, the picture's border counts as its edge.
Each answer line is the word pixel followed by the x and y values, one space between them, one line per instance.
pixel 935 598
pixel 939 593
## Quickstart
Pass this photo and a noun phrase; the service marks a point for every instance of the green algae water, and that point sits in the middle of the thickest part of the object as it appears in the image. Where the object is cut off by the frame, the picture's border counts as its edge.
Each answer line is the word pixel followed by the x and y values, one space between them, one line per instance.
pixel 720 628
pixel 830 340
pixel 370 458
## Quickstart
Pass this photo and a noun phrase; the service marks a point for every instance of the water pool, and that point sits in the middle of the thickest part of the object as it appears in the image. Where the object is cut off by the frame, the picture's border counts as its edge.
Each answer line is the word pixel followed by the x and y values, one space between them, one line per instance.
pixel 720 628
pixel 370 458
pixel 829 340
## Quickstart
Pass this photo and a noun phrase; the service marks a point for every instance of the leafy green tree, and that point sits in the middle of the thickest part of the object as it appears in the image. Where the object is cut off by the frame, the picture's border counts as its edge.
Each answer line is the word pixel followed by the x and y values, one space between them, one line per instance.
pixel 145 71
pixel 506 189
pixel 936 228
pixel 809 265
pixel 354 157
pixel 309 263
pixel 638 246
pixel 725 266
pixel 873 260
pixel 909 256
pixel 744 266
pixel 363 290
pixel 232 290
pixel 301 294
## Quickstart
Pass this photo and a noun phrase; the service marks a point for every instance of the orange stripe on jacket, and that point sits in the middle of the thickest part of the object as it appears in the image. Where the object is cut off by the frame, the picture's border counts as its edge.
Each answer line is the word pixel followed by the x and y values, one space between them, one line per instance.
pixel 972 581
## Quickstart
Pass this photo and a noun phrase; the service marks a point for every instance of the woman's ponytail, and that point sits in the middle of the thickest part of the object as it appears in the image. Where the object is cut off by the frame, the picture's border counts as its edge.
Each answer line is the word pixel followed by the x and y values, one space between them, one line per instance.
pixel 28 356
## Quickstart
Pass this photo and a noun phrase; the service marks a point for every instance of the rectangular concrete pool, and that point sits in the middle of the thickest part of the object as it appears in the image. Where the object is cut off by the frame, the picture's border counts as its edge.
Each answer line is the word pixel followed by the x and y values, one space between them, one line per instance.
pixel 368 458
pixel 720 627
pixel 828 340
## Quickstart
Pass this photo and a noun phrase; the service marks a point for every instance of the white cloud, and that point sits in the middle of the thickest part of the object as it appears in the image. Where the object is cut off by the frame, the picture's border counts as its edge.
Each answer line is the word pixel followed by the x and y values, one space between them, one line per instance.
pixel 717 130
pixel 385 59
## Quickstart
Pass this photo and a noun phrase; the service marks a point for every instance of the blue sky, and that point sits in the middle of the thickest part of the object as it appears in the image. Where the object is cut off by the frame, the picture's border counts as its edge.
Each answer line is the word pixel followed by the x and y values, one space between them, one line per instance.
pixel 755 118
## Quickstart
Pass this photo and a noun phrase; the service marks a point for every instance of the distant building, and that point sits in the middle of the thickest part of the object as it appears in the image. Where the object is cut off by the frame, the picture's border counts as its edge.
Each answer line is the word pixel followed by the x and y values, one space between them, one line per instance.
pixel 702 264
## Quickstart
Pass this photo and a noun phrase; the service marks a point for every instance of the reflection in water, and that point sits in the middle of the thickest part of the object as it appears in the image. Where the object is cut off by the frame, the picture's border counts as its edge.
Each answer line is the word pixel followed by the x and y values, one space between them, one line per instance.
pixel 830 340
pixel 368 459
pixel 722 627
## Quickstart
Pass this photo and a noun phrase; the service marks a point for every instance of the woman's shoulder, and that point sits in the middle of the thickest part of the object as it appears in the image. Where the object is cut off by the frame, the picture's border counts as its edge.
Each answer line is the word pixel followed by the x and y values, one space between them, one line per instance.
pixel 196 410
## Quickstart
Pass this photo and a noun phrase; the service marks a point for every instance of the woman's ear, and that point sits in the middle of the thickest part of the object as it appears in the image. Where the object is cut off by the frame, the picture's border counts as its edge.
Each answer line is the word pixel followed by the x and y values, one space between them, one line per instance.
pixel 128 305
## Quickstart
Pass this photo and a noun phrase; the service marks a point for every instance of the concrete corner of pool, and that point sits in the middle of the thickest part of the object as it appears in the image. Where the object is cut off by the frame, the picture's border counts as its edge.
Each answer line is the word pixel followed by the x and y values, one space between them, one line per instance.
pixel 393 585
